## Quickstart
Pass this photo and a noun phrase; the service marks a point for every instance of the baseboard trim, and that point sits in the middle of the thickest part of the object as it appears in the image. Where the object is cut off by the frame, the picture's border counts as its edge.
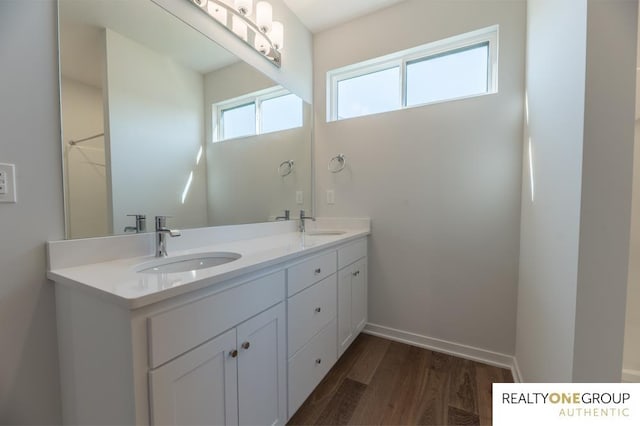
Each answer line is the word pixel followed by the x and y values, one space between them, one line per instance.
pixel 456 349
pixel 515 371
pixel 630 376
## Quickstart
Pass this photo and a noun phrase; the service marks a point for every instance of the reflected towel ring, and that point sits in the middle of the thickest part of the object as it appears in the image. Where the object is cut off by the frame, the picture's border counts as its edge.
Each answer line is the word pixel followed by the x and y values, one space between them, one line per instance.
pixel 285 168
pixel 337 163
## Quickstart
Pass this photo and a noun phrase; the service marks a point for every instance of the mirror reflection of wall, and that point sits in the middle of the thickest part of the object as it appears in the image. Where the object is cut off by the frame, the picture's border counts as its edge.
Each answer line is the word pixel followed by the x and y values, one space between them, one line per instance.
pixel 236 165
pixel 150 84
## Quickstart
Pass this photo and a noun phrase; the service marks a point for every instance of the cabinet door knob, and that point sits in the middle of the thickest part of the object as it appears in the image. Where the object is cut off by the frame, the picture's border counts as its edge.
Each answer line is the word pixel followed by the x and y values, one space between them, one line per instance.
pixel 317 271
pixel 356 273
pixel 246 345
pixel 318 310
pixel 319 361
pixel 233 353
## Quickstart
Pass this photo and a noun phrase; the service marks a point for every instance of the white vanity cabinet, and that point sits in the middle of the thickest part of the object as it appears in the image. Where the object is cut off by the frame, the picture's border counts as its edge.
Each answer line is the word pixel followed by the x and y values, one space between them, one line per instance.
pixel 327 309
pixel 236 378
pixel 352 293
pixel 311 324
pixel 244 350
pixel 213 356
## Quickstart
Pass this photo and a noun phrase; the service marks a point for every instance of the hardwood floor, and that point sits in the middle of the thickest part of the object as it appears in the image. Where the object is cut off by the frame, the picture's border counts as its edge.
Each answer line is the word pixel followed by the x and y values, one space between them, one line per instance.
pixel 378 381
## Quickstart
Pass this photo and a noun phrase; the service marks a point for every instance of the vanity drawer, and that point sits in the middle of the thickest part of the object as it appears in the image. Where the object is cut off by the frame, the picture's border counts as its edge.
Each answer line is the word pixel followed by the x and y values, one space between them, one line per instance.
pixel 354 251
pixel 174 332
pixel 310 271
pixel 308 367
pixel 310 310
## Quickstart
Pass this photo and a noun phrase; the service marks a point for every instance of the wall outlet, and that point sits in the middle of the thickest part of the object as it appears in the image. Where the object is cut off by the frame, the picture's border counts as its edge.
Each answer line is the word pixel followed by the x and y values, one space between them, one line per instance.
pixel 299 198
pixel 7 183
pixel 331 196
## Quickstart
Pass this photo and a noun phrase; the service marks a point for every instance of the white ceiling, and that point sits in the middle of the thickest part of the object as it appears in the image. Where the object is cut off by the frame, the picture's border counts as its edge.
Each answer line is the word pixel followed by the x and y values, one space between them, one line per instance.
pixel 318 15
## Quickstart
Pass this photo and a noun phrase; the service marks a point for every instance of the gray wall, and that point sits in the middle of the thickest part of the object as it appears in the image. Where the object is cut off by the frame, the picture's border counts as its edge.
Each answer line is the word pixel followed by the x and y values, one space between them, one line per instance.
pixel 243 185
pixel 30 123
pixel 556 56
pixel 155 124
pixel 575 232
pixel 607 176
pixel 441 182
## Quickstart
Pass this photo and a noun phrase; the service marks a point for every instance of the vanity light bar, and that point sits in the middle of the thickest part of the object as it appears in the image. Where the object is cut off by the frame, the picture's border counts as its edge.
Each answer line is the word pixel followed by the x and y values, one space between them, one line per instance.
pixel 266 36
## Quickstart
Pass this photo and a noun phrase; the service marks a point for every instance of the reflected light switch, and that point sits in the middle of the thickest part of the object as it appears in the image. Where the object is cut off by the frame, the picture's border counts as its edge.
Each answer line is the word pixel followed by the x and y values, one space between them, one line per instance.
pixel 7 183
pixel 331 196
pixel 299 197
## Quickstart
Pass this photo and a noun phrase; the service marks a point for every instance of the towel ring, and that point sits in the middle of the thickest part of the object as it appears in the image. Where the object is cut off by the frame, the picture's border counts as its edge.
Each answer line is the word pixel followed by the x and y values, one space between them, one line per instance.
pixel 285 168
pixel 337 163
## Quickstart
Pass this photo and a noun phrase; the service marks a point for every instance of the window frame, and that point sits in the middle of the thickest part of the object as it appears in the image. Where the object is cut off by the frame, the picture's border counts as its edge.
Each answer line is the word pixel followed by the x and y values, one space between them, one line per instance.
pixel 400 59
pixel 256 98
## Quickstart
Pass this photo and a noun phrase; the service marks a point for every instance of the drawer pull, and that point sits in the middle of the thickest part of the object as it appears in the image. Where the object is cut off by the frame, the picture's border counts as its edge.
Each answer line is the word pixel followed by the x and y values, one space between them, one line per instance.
pixel 246 345
pixel 319 361
pixel 356 273
pixel 233 353
pixel 318 271
pixel 318 310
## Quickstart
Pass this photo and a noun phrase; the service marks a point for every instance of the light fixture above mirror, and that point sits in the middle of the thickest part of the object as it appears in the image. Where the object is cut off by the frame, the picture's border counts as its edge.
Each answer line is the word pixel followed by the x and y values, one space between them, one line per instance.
pixel 258 30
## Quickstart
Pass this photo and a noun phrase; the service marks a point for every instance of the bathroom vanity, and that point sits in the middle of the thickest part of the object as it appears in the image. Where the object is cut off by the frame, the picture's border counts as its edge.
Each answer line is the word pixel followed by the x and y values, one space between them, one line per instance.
pixel 244 342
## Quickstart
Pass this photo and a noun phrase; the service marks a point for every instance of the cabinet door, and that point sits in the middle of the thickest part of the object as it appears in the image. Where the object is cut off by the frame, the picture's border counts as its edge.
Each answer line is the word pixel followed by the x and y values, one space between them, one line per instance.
pixel 358 296
pixel 345 329
pixel 352 303
pixel 199 387
pixel 261 369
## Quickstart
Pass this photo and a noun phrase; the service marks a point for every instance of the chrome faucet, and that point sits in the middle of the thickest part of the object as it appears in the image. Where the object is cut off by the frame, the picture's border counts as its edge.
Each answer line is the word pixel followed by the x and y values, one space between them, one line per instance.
pixel 141 224
pixel 161 238
pixel 302 218
pixel 287 216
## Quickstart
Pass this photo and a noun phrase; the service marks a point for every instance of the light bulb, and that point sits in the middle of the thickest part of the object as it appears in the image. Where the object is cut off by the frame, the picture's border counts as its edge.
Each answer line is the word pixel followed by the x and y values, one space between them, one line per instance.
pixel 277 35
pixel 261 44
pixel 245 7
pixel 264 16
pixel 240 27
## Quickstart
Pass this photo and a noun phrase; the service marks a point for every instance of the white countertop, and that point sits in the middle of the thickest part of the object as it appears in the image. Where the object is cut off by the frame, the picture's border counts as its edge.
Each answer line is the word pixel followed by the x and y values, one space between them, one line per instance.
pixel 118 281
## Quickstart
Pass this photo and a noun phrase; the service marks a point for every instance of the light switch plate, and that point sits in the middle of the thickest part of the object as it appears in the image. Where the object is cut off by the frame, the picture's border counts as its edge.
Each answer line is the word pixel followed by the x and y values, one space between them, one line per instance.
pixel 7 183
pixel 331 196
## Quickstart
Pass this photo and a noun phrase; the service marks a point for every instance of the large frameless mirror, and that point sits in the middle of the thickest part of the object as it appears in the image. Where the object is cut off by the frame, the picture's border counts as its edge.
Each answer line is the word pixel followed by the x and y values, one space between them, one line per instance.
pixel 159 120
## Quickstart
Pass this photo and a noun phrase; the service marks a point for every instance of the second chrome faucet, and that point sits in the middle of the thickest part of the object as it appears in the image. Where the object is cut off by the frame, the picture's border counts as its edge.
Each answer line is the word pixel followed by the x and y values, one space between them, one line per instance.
pixel 161 235
pixel 302 218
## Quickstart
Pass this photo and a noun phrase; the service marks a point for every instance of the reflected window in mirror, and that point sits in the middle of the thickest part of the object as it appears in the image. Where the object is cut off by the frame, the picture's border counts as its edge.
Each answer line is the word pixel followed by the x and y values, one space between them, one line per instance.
pixel 238 121
pixel 265 111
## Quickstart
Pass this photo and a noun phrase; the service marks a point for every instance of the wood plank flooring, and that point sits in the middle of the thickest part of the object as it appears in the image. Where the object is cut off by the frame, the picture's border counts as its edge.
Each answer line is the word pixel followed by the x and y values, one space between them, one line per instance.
pixel 378 381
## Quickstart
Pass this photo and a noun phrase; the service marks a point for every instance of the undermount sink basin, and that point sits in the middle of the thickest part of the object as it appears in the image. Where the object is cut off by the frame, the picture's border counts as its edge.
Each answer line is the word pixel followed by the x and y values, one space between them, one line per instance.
pixel 325 232
pixel 187 263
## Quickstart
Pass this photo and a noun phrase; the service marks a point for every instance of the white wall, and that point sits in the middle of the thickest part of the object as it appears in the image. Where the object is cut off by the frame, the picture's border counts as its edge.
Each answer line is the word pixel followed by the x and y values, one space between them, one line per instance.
pixel 242 180
pixel 631 361
pixel 296 72
pixel 85 167
pixel 556 52
pixel 574 236
pixel 155 125
pixel 441 182
pixel 607 176
pixel 30 138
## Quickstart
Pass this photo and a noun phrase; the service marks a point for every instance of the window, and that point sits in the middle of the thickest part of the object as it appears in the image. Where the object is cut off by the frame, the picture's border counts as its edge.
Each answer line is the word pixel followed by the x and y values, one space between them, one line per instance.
pixel 454 68
pixel 281 113
pixel 238 121
pixel 267 111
